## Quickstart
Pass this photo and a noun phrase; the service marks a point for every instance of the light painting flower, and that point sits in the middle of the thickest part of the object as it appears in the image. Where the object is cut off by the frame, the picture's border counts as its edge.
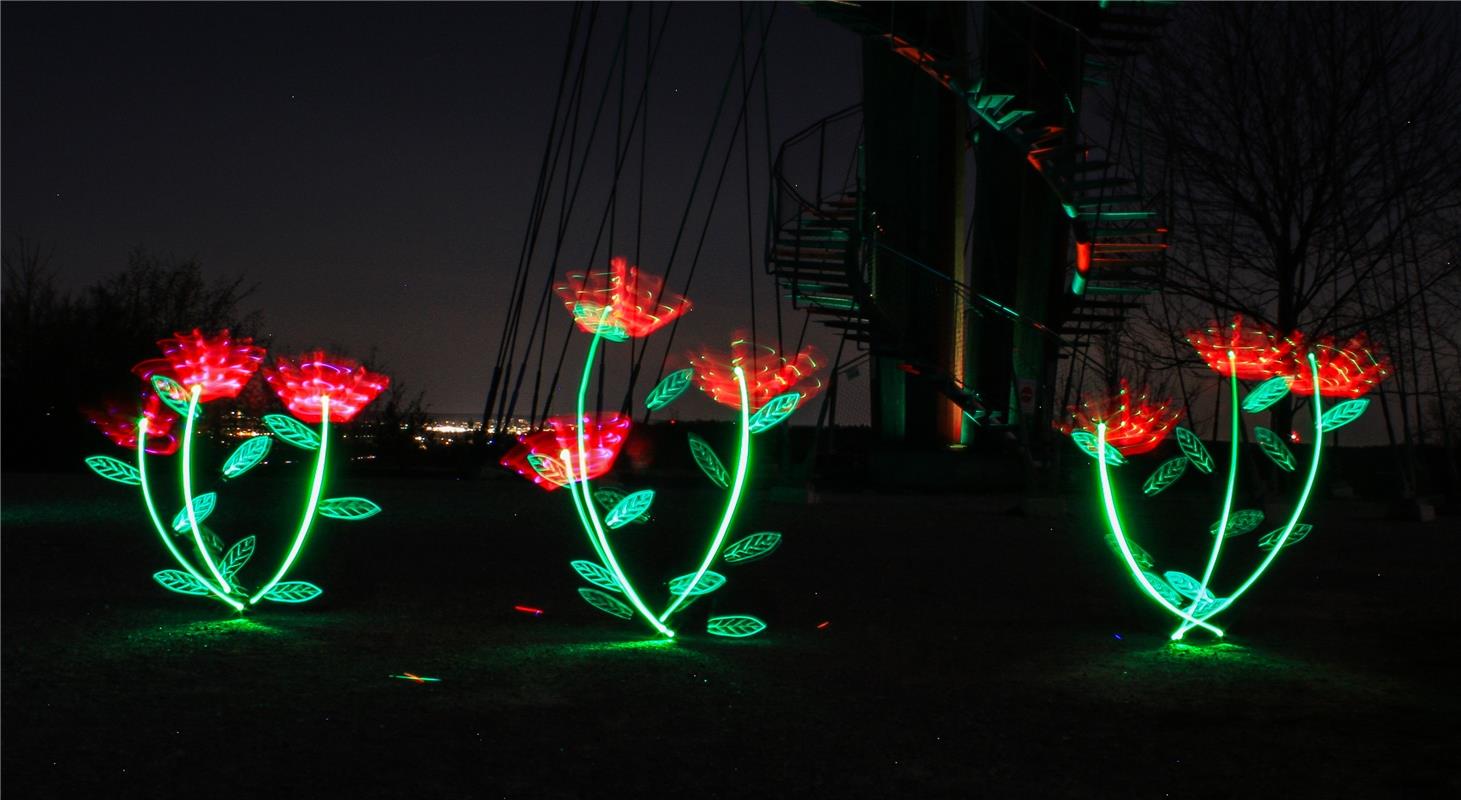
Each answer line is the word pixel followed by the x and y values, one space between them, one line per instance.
pixel 767 373
pixel 118 422
pixel 1259 352
pixel 303 384
pixel 1134 424
pixel 221 365
pixel 621 302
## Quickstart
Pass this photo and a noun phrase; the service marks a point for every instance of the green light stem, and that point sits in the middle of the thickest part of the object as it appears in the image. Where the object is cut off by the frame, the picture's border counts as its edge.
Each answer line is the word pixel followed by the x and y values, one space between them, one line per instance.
pixel 601 544
pixel 309 511
pixel 731 504
pixel 1115 523
pixel 1303 496
pixel 162 530
pixel 1222 530
pixel 197 392
pixel 567 458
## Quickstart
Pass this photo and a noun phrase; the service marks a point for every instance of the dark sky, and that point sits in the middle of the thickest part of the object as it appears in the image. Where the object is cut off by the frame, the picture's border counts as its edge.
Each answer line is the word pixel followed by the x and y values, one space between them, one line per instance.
pixel 371 166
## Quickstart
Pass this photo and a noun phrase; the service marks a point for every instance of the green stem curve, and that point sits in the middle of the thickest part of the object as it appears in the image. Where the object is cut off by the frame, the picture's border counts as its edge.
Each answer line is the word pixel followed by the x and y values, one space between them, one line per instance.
pixel 731 504
pixel 1115 522
pixel 163 531
pixel 1222 529
pixel 187 470
pixel 1298 508
pixel 585 505
pixel 309 511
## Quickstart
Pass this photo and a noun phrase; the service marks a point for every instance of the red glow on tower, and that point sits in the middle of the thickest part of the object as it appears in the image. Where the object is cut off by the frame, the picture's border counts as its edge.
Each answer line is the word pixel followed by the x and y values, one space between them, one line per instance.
pixel 767 374
pixel 620 303
pixel 302 386
pixel 118 422
pixel 1349 370
pixel 1083 257
pixel 1259 353
pixel 219 364
pixel 1134 425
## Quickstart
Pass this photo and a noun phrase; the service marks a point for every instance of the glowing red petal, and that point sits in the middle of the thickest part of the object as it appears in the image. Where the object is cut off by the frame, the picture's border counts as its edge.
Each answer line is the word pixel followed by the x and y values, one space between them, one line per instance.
pixel 303 386
pixel 767 374
pixel 219 364
pixel 622 300
pixel 1259 352
pixel 1133 424
pixel 1349 370
pixel 118 422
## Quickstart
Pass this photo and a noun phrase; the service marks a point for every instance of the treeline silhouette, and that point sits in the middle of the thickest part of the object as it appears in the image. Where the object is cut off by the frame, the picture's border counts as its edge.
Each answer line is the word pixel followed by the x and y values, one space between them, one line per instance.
pixel 62 350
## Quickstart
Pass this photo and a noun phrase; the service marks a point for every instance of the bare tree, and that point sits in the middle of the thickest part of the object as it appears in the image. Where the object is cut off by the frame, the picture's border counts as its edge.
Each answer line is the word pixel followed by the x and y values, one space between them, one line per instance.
pixel 1311 156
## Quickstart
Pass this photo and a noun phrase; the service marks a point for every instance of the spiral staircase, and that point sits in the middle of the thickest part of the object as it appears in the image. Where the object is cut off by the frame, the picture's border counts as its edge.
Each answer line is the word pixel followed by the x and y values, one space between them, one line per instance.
pixel 823 246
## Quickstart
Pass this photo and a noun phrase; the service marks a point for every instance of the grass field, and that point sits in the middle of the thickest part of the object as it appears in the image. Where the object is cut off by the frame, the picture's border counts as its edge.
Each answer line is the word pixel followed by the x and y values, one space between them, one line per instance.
pixel 969 651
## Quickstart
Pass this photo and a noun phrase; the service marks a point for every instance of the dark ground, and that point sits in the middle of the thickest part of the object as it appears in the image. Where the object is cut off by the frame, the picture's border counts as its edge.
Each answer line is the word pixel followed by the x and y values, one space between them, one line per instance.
pixel 971 652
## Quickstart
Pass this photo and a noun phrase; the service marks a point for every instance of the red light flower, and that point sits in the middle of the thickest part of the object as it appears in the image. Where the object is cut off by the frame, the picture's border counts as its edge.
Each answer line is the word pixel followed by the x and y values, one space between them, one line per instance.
pixel 1259 351
pixel 118 422
pixel 303 386
pixel 539 456
pixel 1133 424
pixel 219 364
pixel 1349 370
pixel 620 303
pixel 767 374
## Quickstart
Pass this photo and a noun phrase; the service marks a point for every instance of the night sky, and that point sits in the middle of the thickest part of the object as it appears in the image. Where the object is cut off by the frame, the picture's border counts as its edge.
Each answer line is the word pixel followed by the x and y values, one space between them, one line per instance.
pixel 371 167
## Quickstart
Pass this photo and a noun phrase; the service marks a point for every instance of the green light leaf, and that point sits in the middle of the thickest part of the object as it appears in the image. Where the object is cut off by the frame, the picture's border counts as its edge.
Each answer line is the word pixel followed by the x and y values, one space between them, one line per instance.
pixel 1165 475
pixel 1142 558
pixel 708 583
pixel 202 506
pixel 348 508
pixel 629 509
pixel 1239 523
pixel 293 592
pixel 1194 449
pixel 114 470
pixel 1343 414
pixel 1207 606
pixel 236 557
pixel 247 455
pixel 605 603
pixel 550 468
pixel 173 395
pixel 597 575
pixel 180 582
pixel 292 431
pixel 776 409
pixel 736 627
pixel 752 548
pixel 709 462
pixel 1087 442
pixel 1273 447
pixel 1271 538
pixel 1266 394
pixel 668 389
pixel 609 496
pixel 1164 589
pixel 1185 584
pixel 211 539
